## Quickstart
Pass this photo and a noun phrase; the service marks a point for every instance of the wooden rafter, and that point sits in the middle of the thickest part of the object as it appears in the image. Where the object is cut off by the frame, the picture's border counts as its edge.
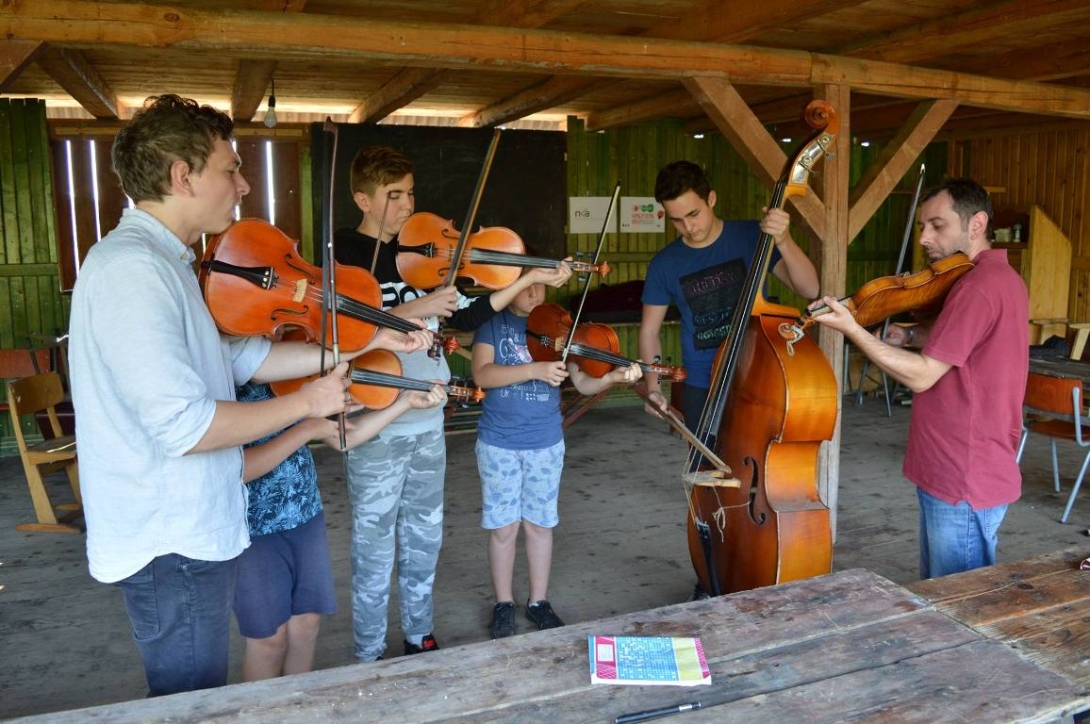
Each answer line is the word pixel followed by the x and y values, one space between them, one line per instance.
pixel 252 79
pixel 737 22
pixel 73 72
pixel 401 90
pixel 893 163
pixel 526 13
pixel 461 46
pixel 555 91
pixel 735 120
pixel 15 56
pixel 679 102
pixel 944 37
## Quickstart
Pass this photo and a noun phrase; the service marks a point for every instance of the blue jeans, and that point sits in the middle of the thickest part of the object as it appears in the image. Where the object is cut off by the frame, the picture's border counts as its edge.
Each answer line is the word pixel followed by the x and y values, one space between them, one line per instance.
pixel 956 538
pixel 180 611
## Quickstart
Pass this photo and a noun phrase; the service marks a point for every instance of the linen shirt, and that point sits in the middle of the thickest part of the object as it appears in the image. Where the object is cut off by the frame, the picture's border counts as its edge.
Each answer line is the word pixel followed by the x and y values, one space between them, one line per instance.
pixel 964 431
pixel 147 366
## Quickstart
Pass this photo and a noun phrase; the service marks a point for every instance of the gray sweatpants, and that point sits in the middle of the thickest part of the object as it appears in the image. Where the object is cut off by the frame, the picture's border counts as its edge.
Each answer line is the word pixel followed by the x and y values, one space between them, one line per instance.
pixel 395 487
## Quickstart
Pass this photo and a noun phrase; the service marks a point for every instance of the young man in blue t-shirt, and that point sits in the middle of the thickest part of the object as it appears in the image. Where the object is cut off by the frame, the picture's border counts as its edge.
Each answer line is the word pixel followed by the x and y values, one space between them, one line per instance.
pixel 702 272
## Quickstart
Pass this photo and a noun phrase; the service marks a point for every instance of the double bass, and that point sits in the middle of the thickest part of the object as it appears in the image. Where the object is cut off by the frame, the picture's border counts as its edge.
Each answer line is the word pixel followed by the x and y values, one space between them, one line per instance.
pixel 770 407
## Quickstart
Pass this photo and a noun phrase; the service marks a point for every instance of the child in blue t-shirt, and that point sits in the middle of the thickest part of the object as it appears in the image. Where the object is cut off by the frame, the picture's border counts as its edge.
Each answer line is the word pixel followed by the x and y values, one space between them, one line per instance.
pixel 520 454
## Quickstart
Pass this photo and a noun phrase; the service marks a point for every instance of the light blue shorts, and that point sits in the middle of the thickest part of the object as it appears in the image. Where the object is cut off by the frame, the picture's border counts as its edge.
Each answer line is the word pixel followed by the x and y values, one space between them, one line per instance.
pixel 519 485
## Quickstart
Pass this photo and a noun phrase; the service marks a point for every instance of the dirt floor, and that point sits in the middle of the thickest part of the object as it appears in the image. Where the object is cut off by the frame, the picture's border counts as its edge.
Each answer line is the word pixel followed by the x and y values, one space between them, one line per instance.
pixel 620 547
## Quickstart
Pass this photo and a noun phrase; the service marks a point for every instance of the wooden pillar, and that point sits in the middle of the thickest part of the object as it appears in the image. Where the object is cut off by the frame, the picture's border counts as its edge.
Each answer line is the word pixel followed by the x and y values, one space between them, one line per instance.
pixel 832 272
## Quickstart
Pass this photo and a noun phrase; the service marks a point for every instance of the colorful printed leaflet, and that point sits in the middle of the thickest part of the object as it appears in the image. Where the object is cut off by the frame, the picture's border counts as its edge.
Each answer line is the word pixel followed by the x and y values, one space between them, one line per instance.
pixel 671 661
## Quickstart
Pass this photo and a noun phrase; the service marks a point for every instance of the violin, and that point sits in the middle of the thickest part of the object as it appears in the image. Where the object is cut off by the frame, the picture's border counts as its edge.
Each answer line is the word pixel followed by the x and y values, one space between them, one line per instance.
pixel 376 381
pixel 493 257
pixel 595 345
pixel 921 293
pixel 256 283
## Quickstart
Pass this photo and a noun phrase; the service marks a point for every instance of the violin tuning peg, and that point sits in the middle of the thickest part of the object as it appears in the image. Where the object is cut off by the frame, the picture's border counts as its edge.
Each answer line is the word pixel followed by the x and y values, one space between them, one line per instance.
pixel 579 256
pixel 657 360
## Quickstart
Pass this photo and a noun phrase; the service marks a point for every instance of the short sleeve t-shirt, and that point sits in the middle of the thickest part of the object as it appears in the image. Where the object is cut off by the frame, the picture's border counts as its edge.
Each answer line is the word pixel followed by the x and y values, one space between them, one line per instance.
pixel 705 285
pixel 525 416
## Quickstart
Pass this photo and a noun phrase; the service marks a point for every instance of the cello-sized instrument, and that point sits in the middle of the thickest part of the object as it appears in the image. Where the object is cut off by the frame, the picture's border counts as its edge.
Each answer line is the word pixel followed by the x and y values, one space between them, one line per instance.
pixel 769 409
pixel 256 283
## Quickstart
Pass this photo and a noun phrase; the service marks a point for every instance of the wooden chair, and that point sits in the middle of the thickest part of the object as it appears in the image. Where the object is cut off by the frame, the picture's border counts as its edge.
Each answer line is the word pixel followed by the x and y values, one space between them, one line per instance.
pixel 28 396
pixel 1053 408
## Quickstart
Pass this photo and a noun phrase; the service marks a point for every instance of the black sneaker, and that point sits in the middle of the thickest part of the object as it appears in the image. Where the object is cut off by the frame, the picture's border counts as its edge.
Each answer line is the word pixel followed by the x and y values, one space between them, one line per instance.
pixel 503 620
pixel 428 644
pixel 542 614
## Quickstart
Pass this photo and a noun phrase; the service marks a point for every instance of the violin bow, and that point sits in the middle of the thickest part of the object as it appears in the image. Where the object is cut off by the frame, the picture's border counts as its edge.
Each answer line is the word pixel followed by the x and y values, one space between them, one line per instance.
pixel 586 282
pixel 471 213
pixel 330 269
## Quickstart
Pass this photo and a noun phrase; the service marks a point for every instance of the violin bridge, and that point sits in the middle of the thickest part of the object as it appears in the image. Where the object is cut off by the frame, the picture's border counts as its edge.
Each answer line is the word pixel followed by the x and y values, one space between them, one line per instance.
pixel 300 291
pixel 711 479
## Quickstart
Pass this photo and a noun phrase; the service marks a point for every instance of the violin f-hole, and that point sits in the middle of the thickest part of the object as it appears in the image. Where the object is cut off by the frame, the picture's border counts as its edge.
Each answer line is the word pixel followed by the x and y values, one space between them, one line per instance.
pixel 751 503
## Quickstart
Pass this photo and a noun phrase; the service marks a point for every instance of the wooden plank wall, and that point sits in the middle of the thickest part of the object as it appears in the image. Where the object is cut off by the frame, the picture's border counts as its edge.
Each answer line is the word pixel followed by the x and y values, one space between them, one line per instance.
pixel 30 298
pixel 1050 169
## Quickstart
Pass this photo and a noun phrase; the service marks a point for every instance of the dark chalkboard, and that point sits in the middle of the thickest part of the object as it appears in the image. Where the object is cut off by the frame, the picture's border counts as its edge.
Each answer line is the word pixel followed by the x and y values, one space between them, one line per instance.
pixel 526 188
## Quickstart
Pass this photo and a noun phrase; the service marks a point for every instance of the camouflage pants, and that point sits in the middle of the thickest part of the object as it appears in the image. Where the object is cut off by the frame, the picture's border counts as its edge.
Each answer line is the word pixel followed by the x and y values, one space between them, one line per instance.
pixel 395 486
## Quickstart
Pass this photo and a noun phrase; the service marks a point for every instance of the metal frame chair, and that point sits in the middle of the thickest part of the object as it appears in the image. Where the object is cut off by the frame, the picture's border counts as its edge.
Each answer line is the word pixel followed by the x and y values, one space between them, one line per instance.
pixel 29 396
pixel 1053 408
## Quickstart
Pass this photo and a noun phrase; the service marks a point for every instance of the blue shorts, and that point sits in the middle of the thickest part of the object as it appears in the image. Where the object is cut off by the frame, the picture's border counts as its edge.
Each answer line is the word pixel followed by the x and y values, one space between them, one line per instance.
pixel 519 485
pixel 283 575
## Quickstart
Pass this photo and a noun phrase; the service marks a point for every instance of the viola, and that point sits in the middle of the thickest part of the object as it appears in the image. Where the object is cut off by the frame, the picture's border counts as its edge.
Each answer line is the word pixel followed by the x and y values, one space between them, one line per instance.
pixel 376 381
pixel 595 345
pixel 921 293
pixel 493 258
pixel 256 283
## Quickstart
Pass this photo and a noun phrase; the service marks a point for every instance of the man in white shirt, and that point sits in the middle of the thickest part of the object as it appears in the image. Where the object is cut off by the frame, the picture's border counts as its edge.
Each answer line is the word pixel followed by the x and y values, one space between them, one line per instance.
pixel 153 384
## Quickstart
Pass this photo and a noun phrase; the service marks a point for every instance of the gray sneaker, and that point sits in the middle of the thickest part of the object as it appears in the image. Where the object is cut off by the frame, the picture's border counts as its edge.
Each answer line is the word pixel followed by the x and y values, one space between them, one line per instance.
pixel 503 620
pixel 542 614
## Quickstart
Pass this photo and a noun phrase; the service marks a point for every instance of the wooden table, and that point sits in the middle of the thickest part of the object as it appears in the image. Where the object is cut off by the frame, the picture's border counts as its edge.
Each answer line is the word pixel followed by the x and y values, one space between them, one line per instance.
pixel 852 646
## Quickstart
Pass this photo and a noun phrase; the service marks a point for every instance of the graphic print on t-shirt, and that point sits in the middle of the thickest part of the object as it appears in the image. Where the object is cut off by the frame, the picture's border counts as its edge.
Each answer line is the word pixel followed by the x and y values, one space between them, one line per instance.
pixel 512 350
pixel 711 294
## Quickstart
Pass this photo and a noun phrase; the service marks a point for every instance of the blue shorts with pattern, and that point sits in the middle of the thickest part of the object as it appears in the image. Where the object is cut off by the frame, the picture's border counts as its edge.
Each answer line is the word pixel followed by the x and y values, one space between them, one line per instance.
pixel 519 485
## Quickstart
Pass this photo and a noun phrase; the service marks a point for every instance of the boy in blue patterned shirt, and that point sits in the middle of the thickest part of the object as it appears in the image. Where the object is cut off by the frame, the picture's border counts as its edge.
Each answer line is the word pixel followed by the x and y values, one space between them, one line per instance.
pixel 285 578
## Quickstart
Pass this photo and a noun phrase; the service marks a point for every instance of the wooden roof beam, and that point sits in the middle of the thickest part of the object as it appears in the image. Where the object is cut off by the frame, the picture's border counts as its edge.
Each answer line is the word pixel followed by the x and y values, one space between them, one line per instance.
pixel 895 160
pixel 953 34
pixel 15 56
pixel 677 102
pixel 737 22
pixel 398 92
pixel 526 13
pixel 252 79
pixel 721 101
pixel 1056 61
pixel 463 46
pixel 556 91
pixel 73 72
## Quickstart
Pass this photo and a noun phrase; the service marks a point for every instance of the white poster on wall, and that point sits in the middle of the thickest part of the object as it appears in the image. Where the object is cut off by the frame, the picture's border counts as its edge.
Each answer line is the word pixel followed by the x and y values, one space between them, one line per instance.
pixel 642 214
pixel 587 213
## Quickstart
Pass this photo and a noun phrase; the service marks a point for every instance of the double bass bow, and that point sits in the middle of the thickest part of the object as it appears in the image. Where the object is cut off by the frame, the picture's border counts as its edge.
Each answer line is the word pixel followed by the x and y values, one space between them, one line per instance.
pixel 768 411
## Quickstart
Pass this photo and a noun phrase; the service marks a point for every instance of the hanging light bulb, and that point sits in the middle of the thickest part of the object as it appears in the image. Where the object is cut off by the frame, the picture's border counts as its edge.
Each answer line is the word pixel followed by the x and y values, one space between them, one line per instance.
pixel 270 114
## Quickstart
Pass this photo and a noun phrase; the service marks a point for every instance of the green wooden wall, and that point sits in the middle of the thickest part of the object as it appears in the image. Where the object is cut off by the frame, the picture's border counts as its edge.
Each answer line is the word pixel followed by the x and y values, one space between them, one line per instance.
pixel 30 298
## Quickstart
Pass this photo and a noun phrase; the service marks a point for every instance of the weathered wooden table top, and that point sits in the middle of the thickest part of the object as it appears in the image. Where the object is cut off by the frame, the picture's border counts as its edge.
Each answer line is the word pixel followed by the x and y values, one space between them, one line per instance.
pixel 852 646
